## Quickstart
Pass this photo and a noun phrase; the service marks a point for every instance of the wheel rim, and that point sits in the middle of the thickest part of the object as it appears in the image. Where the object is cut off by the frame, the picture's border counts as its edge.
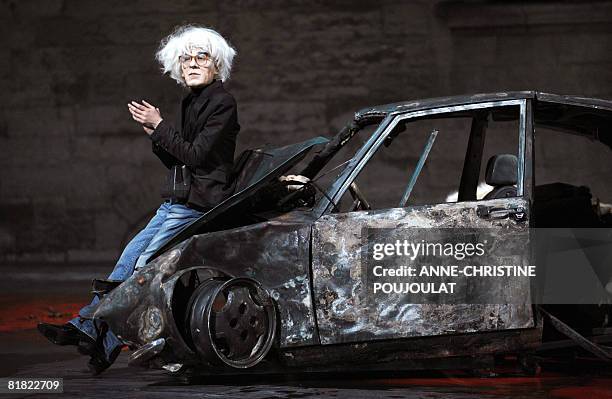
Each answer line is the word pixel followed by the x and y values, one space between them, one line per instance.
pixel 238 324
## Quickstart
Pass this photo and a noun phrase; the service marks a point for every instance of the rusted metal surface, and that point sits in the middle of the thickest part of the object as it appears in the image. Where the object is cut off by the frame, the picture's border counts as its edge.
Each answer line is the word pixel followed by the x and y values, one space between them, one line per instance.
pixel 140 310
pixel 398 354
pixel 331 148
pixel 380 111
pixel 276 254
pixel 344 313
pixel 599 351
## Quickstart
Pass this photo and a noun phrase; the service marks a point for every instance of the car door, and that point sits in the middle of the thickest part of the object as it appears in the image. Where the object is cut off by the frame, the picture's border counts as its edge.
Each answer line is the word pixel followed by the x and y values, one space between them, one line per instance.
pixel 407 206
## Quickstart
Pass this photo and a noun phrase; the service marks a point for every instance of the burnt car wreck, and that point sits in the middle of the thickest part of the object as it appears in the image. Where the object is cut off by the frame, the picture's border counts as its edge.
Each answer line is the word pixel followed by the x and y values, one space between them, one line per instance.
pixel 272 282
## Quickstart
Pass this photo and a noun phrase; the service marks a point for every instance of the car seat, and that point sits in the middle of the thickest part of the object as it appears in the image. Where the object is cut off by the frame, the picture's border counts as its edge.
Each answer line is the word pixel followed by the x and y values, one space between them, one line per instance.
pixel 501 174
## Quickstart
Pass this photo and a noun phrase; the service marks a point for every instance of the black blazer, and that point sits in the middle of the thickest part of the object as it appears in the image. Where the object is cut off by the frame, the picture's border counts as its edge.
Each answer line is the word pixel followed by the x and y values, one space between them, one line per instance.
pixel 205 144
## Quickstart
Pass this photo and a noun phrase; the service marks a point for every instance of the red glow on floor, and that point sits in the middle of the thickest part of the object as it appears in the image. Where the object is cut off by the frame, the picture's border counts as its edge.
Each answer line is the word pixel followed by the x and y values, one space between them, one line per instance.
pixel 18 316
pixel 590 392
pixel 555 385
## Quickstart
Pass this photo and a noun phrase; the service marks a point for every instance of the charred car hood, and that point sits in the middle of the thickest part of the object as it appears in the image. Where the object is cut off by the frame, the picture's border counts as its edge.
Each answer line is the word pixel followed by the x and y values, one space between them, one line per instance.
pixel 255 169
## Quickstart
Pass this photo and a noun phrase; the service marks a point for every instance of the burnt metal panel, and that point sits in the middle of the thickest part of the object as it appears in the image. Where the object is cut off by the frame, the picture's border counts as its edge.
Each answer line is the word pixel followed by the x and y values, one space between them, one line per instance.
pixel 140 309
pixel 575 100
pixel 343 313
pixel 380 111
pixel 524 116
pixel 400 353
pixel 276 254
pixel 587 117
pixel 529 151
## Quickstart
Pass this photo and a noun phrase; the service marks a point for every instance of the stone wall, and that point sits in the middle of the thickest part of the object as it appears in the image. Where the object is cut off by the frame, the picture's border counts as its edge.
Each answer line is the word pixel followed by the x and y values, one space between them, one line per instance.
pixel 77 175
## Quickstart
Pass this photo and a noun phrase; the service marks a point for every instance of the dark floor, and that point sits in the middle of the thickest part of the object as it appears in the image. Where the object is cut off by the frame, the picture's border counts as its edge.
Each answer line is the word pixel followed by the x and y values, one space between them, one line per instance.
pixel 35 294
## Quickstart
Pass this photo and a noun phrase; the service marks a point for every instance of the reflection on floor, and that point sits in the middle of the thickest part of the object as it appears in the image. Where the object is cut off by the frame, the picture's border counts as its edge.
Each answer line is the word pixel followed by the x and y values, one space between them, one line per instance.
pixel 26 354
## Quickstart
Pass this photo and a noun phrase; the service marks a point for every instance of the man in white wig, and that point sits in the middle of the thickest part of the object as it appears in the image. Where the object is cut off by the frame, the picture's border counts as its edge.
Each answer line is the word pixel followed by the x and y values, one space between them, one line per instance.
pixel 198 152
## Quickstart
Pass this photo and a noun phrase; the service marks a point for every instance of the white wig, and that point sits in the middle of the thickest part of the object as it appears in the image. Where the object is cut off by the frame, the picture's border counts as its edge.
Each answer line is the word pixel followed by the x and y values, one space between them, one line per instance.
pixel 185 38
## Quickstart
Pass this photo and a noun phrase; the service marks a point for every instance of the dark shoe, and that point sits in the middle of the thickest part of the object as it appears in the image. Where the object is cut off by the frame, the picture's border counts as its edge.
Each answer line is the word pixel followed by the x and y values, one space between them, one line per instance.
pixel 97 365
pixel 62 334
pixel 98 362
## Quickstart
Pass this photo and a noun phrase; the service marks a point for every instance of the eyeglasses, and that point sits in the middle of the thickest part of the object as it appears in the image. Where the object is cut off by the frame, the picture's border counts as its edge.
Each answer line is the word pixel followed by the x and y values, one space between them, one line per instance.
pixel 201 59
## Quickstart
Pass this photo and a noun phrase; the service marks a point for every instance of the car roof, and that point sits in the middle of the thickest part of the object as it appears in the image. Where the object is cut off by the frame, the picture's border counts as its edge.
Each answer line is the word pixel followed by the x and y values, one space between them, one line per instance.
pixel 380 111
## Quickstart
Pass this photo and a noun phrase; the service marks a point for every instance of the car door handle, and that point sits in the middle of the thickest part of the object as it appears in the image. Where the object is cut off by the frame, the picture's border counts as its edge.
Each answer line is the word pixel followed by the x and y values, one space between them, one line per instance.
pixel 493 213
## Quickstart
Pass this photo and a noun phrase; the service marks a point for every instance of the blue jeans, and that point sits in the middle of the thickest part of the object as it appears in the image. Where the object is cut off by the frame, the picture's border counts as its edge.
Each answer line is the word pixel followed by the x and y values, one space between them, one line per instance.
pixel 168 220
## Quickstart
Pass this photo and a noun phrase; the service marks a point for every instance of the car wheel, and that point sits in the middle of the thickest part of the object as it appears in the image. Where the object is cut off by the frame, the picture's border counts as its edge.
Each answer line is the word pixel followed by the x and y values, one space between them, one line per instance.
pixel 232 322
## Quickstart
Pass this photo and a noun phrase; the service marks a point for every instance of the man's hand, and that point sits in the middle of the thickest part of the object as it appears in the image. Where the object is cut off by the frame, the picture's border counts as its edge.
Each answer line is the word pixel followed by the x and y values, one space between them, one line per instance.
pixel 145 114
pixel 298 179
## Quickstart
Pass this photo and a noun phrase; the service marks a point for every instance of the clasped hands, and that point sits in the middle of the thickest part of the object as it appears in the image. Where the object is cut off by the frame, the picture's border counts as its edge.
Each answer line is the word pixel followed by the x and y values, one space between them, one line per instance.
pixel 145 114
pixel 149 117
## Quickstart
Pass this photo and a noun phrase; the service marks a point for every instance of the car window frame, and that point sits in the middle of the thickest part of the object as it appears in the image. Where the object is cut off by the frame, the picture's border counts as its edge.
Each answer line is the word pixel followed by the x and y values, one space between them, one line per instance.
pixel 386 126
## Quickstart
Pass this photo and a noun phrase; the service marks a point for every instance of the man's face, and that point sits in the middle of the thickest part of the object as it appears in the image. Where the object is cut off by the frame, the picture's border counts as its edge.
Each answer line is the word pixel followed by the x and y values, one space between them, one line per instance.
pixel 197 67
